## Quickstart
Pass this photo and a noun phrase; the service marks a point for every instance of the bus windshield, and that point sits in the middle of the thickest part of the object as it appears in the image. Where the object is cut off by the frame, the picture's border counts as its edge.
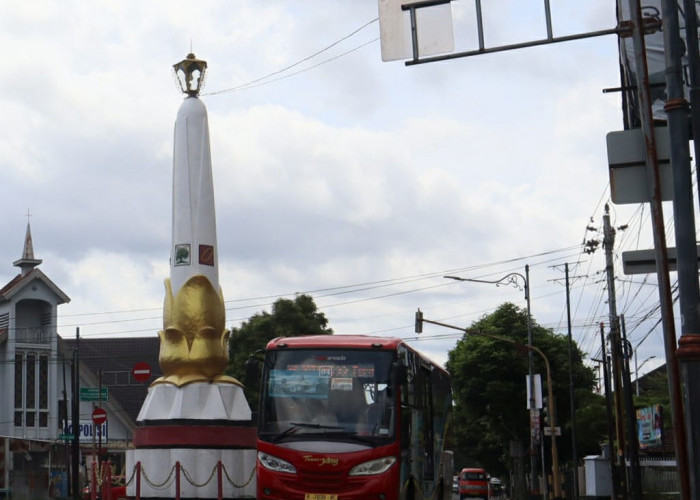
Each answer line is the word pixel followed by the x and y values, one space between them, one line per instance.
pixel 328 394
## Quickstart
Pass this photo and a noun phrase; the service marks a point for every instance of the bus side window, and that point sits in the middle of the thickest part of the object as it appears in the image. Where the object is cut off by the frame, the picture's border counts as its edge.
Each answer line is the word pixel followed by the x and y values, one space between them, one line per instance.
pixel 405 428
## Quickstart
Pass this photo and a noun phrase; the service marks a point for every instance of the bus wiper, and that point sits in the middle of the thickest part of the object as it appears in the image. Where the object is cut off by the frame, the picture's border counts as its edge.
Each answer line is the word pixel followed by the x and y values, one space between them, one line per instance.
pixel 352 435
pixel 295 426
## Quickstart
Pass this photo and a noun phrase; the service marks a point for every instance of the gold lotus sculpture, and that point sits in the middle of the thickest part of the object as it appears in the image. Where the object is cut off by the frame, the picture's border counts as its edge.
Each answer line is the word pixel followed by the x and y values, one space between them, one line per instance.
pixel 193 342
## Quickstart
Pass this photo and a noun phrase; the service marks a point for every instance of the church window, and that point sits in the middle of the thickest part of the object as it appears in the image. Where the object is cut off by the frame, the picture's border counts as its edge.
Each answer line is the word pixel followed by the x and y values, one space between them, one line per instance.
pixel 31 390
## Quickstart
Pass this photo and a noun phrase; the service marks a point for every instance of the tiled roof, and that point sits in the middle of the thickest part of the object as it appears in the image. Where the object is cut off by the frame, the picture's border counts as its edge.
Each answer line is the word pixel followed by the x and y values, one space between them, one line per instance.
pixel 10 284
pixel 116 357
pixel 20 281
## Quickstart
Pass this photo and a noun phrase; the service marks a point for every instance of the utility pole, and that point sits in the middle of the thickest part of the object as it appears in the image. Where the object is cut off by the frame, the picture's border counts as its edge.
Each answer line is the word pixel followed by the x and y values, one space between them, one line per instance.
pixel 608 409
pixel 572 387
pixel 533 441
pixel 572 394
pixel 75 417
pixel 64 426
pixel 615 346
pixel 633 443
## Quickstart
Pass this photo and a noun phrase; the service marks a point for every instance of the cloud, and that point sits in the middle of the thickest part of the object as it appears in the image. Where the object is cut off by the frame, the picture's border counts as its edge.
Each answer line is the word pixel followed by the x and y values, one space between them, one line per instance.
pixel 359 180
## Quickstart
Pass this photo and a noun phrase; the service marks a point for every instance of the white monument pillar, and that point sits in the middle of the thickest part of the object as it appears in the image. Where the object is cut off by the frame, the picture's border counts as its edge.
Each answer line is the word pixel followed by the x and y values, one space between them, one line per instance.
pixel 195 434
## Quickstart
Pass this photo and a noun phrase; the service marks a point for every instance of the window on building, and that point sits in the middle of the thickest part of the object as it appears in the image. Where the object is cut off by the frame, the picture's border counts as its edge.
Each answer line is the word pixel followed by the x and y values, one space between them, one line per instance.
pixel 19 390
pixel 31 390
pixel 43 389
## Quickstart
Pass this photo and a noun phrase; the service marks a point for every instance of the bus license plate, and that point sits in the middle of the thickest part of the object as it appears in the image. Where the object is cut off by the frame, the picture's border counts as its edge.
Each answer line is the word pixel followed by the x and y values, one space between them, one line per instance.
pixel 321 496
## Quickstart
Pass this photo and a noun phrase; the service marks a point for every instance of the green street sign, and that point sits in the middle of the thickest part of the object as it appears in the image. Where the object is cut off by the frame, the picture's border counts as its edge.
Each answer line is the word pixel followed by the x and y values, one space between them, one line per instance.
pixel 93 394
pixel 66 437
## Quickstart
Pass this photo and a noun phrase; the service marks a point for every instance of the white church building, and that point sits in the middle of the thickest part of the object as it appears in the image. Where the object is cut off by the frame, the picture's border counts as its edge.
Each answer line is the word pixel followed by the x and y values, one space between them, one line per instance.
pixel 36 388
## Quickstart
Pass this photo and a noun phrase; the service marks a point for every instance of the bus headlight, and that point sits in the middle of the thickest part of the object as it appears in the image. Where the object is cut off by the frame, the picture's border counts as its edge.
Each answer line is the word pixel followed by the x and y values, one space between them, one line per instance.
pixel 275 464
pixel 376 466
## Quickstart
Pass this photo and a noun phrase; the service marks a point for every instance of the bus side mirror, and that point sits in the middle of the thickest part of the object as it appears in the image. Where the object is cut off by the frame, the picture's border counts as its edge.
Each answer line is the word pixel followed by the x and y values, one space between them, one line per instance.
pixel 399 373
pixel 252 370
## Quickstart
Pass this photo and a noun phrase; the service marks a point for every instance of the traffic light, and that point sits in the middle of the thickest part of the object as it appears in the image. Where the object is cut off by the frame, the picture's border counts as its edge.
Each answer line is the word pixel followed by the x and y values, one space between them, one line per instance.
pixel 545 411
pixel 419 321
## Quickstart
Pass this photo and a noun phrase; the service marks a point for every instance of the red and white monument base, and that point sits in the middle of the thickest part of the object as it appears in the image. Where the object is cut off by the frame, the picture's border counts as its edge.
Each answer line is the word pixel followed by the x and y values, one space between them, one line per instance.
pixel 196 441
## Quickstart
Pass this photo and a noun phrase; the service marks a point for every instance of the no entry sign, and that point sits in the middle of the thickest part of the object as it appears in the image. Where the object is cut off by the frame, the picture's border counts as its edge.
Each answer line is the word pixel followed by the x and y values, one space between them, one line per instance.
pixel 99 416
pixel 141 371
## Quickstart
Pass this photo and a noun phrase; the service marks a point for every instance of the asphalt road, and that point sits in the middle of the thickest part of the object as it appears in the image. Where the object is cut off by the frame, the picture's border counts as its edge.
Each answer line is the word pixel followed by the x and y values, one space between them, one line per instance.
pixel 455 496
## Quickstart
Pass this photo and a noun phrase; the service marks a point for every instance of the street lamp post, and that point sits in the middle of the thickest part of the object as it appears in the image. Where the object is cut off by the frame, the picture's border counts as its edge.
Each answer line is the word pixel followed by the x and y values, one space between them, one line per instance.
pixel 637 368
pixel 512 279
pixel 550 391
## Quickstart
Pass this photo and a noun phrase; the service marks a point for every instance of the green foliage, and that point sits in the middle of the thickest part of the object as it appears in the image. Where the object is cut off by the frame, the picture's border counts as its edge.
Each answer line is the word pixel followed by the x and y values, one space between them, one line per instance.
pixel 489 389
pixel 655 390
pixel 591 423
pixel 289 318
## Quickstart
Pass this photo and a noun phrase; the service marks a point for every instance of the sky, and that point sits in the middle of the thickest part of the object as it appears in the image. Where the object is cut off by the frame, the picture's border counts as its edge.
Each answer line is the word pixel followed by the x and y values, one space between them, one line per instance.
pixel 357 181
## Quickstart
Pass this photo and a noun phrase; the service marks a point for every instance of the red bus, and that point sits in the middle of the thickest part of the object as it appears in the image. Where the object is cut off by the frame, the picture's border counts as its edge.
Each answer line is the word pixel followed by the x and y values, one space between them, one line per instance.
pixel 352 417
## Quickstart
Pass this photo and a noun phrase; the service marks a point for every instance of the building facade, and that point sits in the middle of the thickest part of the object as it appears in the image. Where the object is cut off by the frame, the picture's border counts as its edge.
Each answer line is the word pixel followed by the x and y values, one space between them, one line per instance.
pixel 37 390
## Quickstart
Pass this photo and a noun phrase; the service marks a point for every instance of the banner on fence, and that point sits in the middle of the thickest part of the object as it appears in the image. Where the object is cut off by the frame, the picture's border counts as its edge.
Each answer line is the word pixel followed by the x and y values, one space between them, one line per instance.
pixel 650 426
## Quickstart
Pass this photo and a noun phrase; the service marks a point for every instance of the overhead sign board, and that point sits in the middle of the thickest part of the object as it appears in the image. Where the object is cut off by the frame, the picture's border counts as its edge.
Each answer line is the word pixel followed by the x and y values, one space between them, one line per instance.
pixel 627 161
pixel 93 394
pixel 644 261
pixel 434 30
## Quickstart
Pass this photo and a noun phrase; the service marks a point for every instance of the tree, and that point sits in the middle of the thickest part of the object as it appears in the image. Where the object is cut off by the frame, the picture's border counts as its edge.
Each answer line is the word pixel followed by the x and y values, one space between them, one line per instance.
pixel 489 390
pixel 289 318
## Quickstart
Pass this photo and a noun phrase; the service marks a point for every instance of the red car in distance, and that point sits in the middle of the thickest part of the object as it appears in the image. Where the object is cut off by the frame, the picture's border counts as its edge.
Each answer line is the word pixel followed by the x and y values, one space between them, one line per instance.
pixel 473 483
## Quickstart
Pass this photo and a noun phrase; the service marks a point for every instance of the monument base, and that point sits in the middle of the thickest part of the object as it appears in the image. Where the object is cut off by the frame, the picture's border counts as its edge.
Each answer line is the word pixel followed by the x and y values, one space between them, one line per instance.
pixel 200 475
pixel 198 440
pixel 196 401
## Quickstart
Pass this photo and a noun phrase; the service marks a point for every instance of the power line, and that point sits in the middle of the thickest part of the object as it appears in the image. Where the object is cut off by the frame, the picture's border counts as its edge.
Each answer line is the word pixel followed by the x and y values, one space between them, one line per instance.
pixel 322 293
pixel 339 289
pixel 260 81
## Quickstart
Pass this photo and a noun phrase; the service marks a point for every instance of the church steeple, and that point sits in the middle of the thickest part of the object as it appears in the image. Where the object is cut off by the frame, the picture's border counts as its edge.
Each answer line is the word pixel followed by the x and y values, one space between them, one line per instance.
pixel 27 262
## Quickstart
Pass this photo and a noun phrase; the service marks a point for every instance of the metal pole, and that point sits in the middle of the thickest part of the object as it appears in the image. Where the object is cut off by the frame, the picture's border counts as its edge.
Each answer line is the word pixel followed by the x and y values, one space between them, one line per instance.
pixel 693 52
pixel 657 219
pixel 676 108
pixel 98 427
pixel 75 417
pixel 633 444
pixel 64 425
pixel 684 223
pixel 636 372
pixel 545 488
pixel 615 348
pixel 138 480
pixel 533 441
pixel 608 408
pixel 574 451
pixel 552 418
